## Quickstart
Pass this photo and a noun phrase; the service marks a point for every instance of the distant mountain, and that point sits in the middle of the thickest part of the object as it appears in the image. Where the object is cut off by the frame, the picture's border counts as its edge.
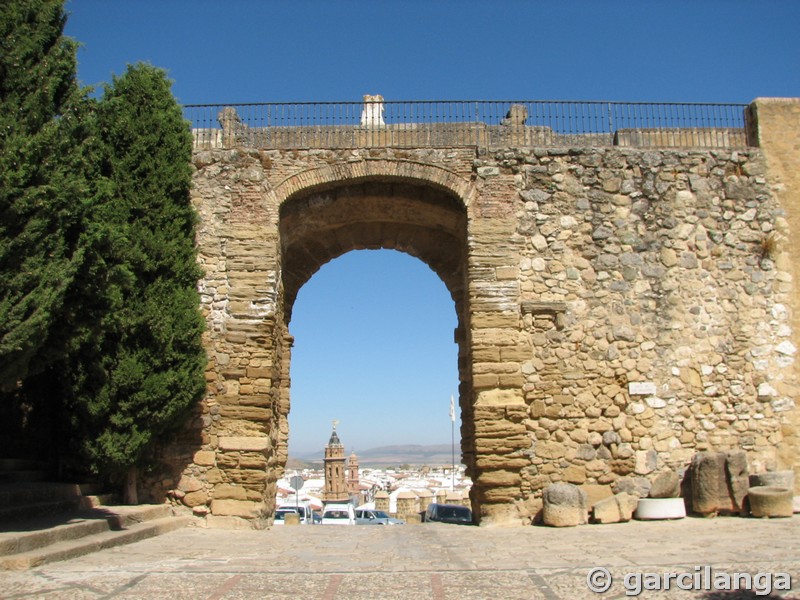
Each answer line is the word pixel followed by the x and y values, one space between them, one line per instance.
pixel 387 456
pixel 298 464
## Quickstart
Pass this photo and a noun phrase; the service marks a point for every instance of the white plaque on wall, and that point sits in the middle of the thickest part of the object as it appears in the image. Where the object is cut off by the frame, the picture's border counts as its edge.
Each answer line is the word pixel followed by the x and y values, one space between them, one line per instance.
pixel 641 388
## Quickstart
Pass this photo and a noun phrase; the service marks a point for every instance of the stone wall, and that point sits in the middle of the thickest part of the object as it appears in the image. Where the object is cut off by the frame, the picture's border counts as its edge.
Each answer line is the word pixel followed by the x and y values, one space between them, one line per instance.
pixel 619 309
pixel 647 317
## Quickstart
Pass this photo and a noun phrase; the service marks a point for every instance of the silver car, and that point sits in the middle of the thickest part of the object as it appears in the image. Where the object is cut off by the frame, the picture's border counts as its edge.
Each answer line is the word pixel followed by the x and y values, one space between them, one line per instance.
pixel 368 516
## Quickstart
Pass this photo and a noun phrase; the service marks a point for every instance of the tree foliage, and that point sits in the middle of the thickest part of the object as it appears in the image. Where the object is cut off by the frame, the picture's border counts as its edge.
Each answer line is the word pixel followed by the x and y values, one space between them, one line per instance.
pixel 134 379
pixel 44 131
pixel 100 328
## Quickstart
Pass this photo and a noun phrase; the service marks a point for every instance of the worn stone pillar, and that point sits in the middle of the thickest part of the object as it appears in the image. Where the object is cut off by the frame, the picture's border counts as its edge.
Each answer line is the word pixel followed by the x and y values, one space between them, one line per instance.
pixel 382 501
pixel 774 126
pixel 246 341
pixel 498 348
pixel 407 504
pixel 425 499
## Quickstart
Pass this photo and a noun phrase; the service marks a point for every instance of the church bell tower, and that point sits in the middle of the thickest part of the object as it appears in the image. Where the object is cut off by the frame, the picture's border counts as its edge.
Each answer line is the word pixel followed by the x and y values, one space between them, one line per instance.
pixel 335 484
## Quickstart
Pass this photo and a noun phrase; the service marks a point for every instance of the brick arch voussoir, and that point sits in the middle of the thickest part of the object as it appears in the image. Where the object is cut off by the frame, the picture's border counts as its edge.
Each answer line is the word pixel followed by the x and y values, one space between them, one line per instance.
pixel 405 170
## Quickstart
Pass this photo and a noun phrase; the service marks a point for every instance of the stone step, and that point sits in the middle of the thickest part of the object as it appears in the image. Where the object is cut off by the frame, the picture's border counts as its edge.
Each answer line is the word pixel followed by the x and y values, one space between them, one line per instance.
pixel 20 464
pixel 18 475
pixel 71 548
pixel 98 500
pixel 59 528
pixel 16 493
pixel 31 534
pixel 29 500
pixel 42 522
pixel 10 515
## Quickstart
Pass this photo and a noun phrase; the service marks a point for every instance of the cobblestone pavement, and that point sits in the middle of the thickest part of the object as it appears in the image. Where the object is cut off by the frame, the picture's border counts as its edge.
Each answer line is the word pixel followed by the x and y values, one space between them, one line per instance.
pixel 429 561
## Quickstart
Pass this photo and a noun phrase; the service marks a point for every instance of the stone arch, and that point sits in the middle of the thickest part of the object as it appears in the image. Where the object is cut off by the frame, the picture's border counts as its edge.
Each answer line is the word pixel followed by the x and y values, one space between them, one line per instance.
pixel 323 222
pixel 340 211
pixel 376 168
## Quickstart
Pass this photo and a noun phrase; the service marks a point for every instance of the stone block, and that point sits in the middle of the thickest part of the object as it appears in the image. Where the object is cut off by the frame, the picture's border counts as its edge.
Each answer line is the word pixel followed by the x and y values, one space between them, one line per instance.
pixel 245 443
pixel 252 478
pixel 717 481
pixel 213 521
pixel 738 477
pixel 627 505
pixel 781 479
pixel 638 486
pixel 501 495
pixel 564 505
pixel 500 397
pixel 499 478
pixel 253 461
pixel 499 515
pixel 616 509
pixel 189 484
pixel 596 492
pixel 645 461
pixel 205 458
pixel 260 372
pixel 236 508
pixel 771 501
pixel 575 474
pixel 193 499
pixel 214 476
pixel 665 485
pixel 246 412
pixel 709 486
pixel 226 491
pixel 546 449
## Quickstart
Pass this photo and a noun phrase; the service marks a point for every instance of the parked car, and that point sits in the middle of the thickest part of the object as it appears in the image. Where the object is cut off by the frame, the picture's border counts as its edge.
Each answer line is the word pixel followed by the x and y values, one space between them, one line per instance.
pixel 338 514
pixel 304 511
pixel 448 513
pixel 368 516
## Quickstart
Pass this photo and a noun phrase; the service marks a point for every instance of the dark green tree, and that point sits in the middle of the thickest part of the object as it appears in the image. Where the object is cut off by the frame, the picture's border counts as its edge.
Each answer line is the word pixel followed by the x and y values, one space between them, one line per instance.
pixel 134 378
pixel 44 196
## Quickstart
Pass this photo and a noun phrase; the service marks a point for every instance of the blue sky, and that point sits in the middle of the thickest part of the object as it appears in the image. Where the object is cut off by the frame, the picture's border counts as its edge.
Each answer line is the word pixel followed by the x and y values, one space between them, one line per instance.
pixel 374 330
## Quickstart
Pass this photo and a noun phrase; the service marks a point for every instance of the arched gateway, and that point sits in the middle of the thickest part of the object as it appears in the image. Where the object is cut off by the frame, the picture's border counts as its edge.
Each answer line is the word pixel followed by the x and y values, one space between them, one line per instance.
pixel 618 308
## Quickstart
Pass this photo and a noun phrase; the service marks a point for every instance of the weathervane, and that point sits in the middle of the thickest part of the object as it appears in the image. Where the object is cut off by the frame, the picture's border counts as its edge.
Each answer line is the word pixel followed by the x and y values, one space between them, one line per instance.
pixel 335 423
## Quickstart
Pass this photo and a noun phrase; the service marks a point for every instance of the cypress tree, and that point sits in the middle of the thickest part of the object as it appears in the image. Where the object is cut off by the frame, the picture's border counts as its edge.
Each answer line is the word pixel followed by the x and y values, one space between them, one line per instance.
pixel 44 195
pixel 135 380
pixel 100 329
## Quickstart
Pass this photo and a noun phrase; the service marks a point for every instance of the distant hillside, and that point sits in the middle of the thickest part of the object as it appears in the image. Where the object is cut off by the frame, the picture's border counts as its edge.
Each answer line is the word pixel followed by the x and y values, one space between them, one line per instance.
pixel 298 464
pixel 387 456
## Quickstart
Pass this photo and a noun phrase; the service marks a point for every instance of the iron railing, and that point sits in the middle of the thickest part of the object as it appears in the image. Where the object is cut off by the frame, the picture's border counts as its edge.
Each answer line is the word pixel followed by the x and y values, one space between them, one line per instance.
pixel 481 123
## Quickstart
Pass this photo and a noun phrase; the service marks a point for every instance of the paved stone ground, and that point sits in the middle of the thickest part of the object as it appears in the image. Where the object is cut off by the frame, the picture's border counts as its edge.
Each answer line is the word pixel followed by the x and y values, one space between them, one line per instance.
pixel 436 561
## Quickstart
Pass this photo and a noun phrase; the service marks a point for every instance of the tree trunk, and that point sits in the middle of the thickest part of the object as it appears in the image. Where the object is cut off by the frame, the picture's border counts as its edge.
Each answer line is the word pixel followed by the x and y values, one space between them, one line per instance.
pixel 131 495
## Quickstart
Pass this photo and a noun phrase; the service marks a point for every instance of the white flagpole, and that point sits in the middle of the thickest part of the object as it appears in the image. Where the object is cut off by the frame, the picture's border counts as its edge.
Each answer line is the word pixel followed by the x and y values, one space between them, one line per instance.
pixel 453 442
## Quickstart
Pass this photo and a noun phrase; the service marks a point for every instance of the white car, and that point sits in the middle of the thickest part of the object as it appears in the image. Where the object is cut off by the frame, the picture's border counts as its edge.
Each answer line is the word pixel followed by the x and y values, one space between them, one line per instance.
pixel 281 512
pixel 338 514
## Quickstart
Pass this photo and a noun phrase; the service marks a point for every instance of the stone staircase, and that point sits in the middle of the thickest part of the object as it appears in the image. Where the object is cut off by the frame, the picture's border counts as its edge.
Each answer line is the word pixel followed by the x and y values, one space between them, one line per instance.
pixel 21 470
pixel 42 522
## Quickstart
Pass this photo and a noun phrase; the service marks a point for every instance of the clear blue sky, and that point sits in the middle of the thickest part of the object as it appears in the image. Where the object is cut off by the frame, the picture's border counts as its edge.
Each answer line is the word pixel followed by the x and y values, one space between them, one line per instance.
pixel 374 330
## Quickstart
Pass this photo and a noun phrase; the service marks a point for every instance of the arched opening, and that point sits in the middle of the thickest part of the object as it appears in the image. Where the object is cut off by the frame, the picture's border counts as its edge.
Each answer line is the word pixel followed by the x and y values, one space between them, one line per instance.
pixel 428 222
pixel 374 349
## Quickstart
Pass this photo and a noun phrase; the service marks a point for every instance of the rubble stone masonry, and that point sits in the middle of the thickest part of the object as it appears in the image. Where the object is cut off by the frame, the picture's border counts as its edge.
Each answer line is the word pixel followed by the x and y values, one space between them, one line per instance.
pixel 619 309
